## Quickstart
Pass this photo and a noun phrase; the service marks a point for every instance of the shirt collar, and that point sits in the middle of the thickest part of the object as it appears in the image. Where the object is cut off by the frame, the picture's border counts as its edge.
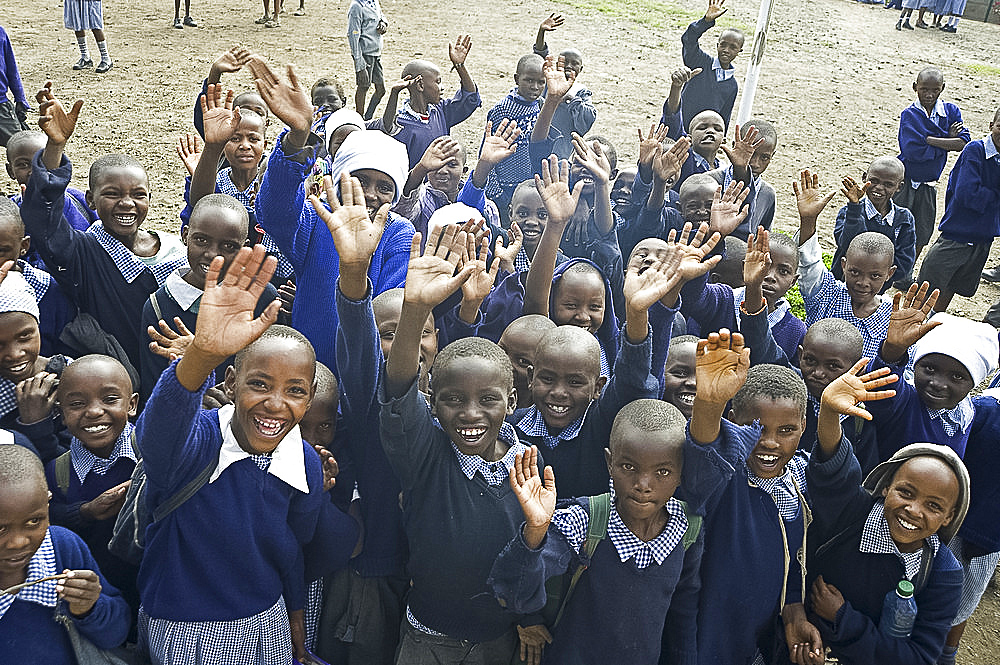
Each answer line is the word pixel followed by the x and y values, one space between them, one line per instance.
pixel 958 418
pixel 722 73
pixel 533 424
pixel 38 280
pixel 85 462
pixel 128 264
pixel 183 293
pixel 630 546
pixel 872 212
pixel 937 112
pixel 877 539
pixel 990 147
pixel 495 473
pixel 287 460
pixel 418 116
pixel 42 564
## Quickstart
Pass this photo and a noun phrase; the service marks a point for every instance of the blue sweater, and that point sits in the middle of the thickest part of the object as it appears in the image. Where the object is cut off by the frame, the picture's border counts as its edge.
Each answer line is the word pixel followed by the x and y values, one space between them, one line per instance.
pixel 284 212
pixel 972 200
pixel 666 594
pixel 852 221
pixel 864 579
pixel 981 526
pixel 925 163
pixel 742 571
pixel 703 91
pixel 506 175
pixel 359 357
pixel 247 525
pixel 28 630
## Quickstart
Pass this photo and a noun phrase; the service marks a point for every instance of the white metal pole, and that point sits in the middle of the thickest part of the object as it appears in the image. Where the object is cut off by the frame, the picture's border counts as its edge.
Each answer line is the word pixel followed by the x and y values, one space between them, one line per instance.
pixel 756 57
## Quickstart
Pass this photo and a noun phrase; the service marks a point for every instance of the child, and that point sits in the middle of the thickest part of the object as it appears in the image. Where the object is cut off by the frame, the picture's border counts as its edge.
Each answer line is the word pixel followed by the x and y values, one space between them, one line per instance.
pixel 80 17
pixel 867 265
pixel 893 527
pixel 870 208
pixel 971 220
pixel 653 563
pixel 575 113
pixel 706 130
pixel 110 270
pixel 88 484
pixel 365 26
pixel 729 271
pixel 749 478
pixel 188 21
pixel 380 165
pixel 680 385
pixel 218 227
pixel 928 130
pixel 714 86
pixel 904 16
pixel 264 503
pixel 13 113
pixel 763 199
pixel 34 550
pixel 425 116
pixel 951 356
pixel 519 341
pixel 327 95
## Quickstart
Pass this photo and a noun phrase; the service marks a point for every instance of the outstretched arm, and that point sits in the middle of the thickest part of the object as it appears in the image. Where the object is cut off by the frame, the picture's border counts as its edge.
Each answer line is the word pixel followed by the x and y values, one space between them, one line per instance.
pixel 592 158
pixel 57 123
pixel 842 396
pixel 556 86
pixel 458 52
pixel 288 100
pixel 721 365
pixel 220 123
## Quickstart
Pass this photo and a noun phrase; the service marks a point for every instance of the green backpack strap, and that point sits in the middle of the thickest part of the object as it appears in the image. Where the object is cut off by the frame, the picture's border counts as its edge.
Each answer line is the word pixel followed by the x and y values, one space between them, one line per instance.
pixel 598 513
pixel 694 527
pixel 62 467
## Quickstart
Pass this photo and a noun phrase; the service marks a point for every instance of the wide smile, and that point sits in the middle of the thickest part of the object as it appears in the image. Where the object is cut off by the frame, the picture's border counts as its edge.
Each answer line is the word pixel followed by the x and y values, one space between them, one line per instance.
pixel 767 463
pixel 471 435
pixel 95 430
pixel 687 399
pixel 268 428
pixel 18 368
pixel 906 525
pixel 557 410
pixel 18 560
pixel 126 220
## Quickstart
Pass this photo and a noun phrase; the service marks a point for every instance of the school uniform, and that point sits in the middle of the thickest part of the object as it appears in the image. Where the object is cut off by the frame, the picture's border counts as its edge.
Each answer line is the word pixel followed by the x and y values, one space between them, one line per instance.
pixel 575 113
pixel 753 525
pixel 48 437
pixel 715 87
pixel 425 200
pixel 513 170
pixel 79 215
pixel 897 225
pixel 640 587
pixel 54 308
pixel 27 627
pixel 865 565
pixel 676 128
pixel 11 111
pixel 761 199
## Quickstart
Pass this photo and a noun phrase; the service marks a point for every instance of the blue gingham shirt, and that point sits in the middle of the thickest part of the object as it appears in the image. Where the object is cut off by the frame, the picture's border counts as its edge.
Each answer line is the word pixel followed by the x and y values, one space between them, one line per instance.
pixel 128 264
pixel 495 473
pixel 224 184
pixel 533 424
pixel 38 280
pixel 782 488
pixel 722 73
pixel 86 462
pixel 42 564
pixel 876 539
pixel 955 420
pixel 871 212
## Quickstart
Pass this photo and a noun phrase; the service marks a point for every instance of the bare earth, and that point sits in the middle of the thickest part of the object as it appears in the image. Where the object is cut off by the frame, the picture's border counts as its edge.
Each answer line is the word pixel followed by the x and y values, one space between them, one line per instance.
pixel 836 76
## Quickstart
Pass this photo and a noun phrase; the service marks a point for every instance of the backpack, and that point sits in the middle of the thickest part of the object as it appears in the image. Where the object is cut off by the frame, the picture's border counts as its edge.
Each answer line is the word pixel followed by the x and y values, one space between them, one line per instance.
pixel 128 538
pixel 559 589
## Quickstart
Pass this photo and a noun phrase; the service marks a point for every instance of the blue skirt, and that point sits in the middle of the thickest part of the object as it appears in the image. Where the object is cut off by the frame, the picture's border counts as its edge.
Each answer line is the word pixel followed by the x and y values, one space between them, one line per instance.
pixel 83 14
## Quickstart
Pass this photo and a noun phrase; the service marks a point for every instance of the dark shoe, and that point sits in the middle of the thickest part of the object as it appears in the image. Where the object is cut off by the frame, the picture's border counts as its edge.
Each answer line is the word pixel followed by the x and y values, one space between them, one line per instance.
pixel 921 24
pixel 992 274
pixel 899 24
pixel 190 22
pixel 949 28
pixel 104 66
pixel 178 24
pixel 263 19
pixel 907 26
pixel 83 63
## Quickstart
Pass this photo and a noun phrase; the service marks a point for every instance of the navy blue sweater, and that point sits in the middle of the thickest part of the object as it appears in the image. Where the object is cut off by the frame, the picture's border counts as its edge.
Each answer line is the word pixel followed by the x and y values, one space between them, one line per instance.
pixel 982 453
pixel 852 222
pixel 28 631
pixel 923 162
pixel 634 603
pixel 839 502
pixel 247 525
pixel 972 200
pixel 703 91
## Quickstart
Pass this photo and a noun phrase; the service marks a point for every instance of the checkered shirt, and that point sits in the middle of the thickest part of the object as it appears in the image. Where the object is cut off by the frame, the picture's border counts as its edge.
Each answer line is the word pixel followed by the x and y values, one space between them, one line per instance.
pixel 871 212
pixel 263 462
pixel 495 473
pixel 38 280
pixel 86 462
pixel 533 424
pixel 782 488
pixel 263 639
pixel 773 318
pixel 224 184
pixel 521 261
pixel 957 419
pixel 128 264
pixel 573 523
pixel 42 564
pixel 876 539
pixel 8 396
pixel 814 405
pixel 833 300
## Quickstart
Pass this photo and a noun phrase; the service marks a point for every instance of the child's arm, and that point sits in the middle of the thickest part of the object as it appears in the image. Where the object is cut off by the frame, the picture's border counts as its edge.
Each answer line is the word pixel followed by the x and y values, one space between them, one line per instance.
pixel 842 397
pixel 229 62
pixel 721 364
pixel 753 313
pixel 744 146
pixel 96 608
pixel 480 283
pixel 810 203
pixel 691 52
pixel 548 25
pixel 457 53
pixel 666 166
pixel 219 124
pixel 592 158
pixel 678 79
pixel 908 322
pixel 649 147
pixel 956 140
pixel 438 153
pixel 389 125
pixel 57 123
pixel 498 145
pixel 189 150
pixel 556 86
pixel 560 203
pixel 851 218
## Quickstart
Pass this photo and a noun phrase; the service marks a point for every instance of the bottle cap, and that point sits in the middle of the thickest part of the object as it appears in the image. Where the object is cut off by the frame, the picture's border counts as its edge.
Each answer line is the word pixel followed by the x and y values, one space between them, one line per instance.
pixel 905 588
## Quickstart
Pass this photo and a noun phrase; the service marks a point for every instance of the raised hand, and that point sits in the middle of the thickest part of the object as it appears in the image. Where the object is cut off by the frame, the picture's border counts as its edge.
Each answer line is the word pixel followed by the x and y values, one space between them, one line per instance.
pixel 505 254
pixel 480 283
pixel 53 118
pixel 231 61
pixel 189 150
pixel 36 397
pixel 168 343
pixel 555 77
pixel 757 262
pixel 844 393
pixel 404 83
pixel 441 151
pixel 591 156
pixel 552 22
pixel 908 321
pixel 106 504
pixel 721 366
pixel 330 468
pixel 744 145
pixel 355 235
pixel 501 143
pixel 535 493
pixel 727 208
pixel 680 76
pixel 220 119
pixel 553 187
pixel 288 100
pixel 852 190
pixel 667 163
pixel 648 281
pixel 694 250
pixel 80 591
pixel 715 9
pixel 808 197
pixel 431 276
pixel 650 145
pixel 459 51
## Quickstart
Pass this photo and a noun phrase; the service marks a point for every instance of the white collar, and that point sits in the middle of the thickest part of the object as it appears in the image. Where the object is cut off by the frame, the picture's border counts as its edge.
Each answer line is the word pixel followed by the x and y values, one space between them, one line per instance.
pixel 872 211
pixel 990 147
pixel 287 461
pixel 183 293
pixel 938 110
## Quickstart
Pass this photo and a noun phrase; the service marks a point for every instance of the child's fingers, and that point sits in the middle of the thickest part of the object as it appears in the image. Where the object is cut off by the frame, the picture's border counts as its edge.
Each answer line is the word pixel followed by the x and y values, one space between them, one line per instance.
pixel 860 365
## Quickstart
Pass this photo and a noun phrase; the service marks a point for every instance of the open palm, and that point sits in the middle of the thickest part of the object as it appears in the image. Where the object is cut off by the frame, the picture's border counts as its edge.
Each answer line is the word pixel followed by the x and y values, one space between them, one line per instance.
pixel 536 495
pixel 722 363
pixel 355 235
pixel 431 277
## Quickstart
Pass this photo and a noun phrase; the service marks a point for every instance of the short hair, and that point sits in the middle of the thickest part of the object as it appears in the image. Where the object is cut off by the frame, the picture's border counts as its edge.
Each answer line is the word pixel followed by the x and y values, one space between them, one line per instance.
pixel 765 130
pixel 81 365
pixel 104 164
pixel 735 31
pixel 330 81
pixel 736 248
pixel 585 268
pixel 18 465
pixel 11 214
pixel 474 347
pixel 648 415
pixel 522 185
pixel 240 99
pixel 996 116
pixel 535 323
pixel 564 337
pixel 889 162
pixel 681 339
pixel 275 332
pixel 840 330
pixel 571 51
pixel 607 146
pixel 417 67
pixel 932 73
pixel 224 202
pixel 706 111
pixel 24 136
pixel 530 59
pixel 326 382
pixel 389 298
pixel 874 243
pixel 694 181
pixel 771 382
pixel 780 239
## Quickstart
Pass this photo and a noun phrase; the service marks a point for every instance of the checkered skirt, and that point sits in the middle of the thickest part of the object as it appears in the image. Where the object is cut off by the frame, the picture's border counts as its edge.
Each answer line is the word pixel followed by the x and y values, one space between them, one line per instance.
pixel 83 14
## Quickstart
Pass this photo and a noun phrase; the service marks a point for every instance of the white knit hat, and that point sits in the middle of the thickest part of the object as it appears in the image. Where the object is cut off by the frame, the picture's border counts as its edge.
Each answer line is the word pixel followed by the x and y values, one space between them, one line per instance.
pixel 17 296
pixel 971 343
pixel 376 150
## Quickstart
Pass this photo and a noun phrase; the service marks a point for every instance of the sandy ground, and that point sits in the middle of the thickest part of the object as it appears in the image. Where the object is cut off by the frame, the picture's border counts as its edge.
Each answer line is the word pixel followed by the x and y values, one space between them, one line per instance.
pixel 837 75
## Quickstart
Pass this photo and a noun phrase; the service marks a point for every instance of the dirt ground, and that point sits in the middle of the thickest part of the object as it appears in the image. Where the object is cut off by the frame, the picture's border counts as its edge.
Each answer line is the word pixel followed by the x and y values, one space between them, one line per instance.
pixel 836 76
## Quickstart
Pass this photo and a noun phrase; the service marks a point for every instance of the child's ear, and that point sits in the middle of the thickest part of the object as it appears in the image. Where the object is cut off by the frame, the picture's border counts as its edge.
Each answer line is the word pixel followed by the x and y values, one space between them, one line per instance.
pixel 515 79
pixel 25 245
pixel 914 86
pixel 133 405
pixel 10 171
pixel 229 384
pixel 843 264
pixel 184 234
pixel 607 459
pixel 599 386
pixel 888 276
pixel 732 416
pixel 432 400
pixel 512 400
pixel 885 491
pixel 89 199
pixel 799 351
pixel 864 176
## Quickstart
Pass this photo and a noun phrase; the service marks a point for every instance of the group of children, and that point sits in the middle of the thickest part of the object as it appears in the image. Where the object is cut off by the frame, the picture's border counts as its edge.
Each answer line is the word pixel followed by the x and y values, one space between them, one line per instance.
pixel 370 407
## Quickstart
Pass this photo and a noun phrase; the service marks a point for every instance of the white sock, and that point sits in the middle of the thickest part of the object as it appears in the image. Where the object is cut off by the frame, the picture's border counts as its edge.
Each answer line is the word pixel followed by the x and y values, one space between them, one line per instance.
pixel 103 48
pixel 954 21
pixel 82 43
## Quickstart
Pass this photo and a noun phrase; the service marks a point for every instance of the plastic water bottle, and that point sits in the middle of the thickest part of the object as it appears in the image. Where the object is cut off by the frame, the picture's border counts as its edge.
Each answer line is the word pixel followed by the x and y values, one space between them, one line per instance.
pixel 899 611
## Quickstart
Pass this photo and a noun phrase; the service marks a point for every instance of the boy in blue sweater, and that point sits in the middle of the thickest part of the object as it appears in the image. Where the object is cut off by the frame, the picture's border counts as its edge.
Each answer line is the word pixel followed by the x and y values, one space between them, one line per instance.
pixel 715 86
pixel 971 220
pixel 652 565
pixel 264 499
pixel 33 550
pixel 929 129
pixel 870 208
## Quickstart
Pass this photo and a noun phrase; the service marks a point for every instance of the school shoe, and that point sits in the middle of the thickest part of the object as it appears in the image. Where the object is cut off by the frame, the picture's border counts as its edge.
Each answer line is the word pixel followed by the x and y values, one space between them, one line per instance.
pixel 906 25
pixel 992 274
pixel 300 11
pixel 178 24
pixel 104 66
pixel 899 24
pixel 263 19
pixel 949 28
pixel 83 63
pixel 275 22
pixel 921 25
pixel 190 22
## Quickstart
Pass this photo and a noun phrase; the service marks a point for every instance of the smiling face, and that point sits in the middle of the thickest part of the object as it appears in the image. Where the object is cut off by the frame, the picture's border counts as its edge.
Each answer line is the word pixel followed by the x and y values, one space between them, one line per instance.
pixel 645 470
pixel 919 500
pixel 213 231
pixel 96 400
pixel 621 190
pixel 823 359
pixel 782 423
pixel 327 96
pixel 24 519
pixel 448 178
pixel 696 203
pixel 578 300
pixel 245 147
pixel 884 180
pixel 781 276
pixel 387 307
pixel 729 46
pixel 319 425
pixel 272 390
pixel 20 342
pixel 529 79
pixel 865 274
pixel 471 399
pixel 578 173
pixel 20 155
pixel 564 381
pixel 707 131
pixel 527 209
pixel 941 381
pixel 378 187
pixel 680 381
pixel 121 198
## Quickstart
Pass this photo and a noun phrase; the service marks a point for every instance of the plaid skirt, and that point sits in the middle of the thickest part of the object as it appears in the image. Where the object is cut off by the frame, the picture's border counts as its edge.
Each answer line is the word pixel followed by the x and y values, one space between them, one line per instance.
pixel 83 14
pixel 261 639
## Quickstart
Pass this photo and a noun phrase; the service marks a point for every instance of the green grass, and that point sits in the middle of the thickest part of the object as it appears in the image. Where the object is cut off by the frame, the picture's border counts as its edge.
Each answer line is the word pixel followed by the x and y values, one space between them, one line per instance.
pixel 652 13
pixel 793 296
pixel 981 69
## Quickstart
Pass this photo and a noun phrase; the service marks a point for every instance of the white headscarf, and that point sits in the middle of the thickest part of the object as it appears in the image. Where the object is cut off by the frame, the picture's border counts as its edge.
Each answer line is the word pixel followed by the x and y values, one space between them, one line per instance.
pixel 17 296
pixel 971 343
pixel 376 150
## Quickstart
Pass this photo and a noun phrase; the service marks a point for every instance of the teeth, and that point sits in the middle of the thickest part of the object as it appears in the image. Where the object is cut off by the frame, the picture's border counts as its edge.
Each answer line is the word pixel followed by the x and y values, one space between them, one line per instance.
pixel 472 432
pixel 268 426
pixel 556 408
pixel 18 368
pixel 768 459
pixel 906 525
pixel 94 429
pixel 686 399
pixel 125 220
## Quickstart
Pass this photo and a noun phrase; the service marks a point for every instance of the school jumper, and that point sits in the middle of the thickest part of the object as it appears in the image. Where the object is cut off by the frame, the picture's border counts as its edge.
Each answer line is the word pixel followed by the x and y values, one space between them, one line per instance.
pixel 898 226
pixel 84 268
pixel 762 201
pixel 714 88
pixel 924 163
pixel 510 172
pixel 54 308
pixel 972 200
pixel 284 212
pixel 864 579
pixel 981 527
pixel 79 215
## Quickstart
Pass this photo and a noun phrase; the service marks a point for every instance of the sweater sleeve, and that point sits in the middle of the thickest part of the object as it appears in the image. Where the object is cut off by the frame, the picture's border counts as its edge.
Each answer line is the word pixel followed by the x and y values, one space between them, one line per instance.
pixel 392 258
pixel 850 223
pixel 11 74
pixel 813 274
pixel 359 356
pixel 757 335
pixel 519 573
pixel 408 434
pixel 581 111
pixel 461 106
pixel 913 144
pixel 354 16
pixel 631 378
pixel 905 243
pixel 835 490
pixel 972 188
pixel 661 322
pixel 706 471
pixel 681 627
pixel 711 305
pixel 691 51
